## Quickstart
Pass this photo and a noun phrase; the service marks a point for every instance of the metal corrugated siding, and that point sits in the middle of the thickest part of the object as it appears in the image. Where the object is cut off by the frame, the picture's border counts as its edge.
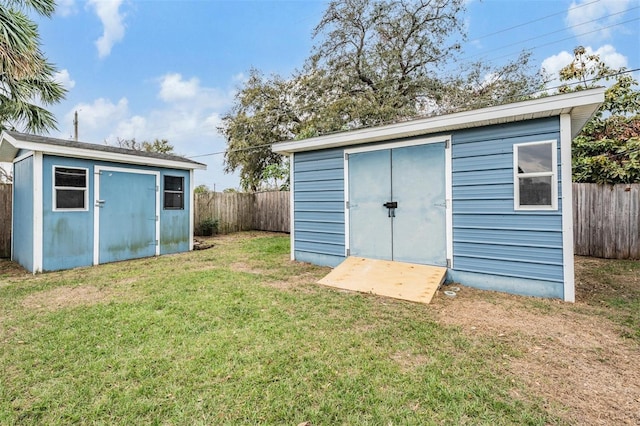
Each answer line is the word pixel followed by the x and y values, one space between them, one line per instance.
pixel 489 236
pixel 22 238
pixel 319 206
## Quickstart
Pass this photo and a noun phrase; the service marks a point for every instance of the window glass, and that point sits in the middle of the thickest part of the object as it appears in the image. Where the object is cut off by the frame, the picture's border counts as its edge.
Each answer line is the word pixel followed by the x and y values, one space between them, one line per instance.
pixel 173 183
pixel 70 188
pixel 71 177
pixel 535 178
pixel 535 191
pixel 69 199
pixel 173 192
pixel 535 158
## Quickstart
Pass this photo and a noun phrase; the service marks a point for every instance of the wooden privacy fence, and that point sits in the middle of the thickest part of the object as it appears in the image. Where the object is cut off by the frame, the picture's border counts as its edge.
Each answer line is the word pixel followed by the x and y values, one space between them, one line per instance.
pixel 263 211
pixel 606 220
pixel 5 220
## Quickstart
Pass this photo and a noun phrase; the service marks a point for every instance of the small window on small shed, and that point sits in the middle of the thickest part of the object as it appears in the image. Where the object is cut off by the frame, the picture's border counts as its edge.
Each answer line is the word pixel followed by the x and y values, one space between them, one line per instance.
pixel 535 176
pixel 69 188
pixel 173 193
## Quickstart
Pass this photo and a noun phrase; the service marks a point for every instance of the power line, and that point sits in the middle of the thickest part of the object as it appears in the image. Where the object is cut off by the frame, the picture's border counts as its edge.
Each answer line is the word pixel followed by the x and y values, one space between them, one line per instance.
pixel 562 39
pixel 532 21
pixel 562 30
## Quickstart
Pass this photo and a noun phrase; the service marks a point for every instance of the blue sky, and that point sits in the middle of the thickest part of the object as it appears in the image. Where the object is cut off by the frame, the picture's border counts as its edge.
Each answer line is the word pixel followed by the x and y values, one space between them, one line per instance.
pixel 169 69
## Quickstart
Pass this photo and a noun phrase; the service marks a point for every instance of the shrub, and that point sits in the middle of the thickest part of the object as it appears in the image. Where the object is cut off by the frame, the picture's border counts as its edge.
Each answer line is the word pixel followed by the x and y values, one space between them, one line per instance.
pixel 207 227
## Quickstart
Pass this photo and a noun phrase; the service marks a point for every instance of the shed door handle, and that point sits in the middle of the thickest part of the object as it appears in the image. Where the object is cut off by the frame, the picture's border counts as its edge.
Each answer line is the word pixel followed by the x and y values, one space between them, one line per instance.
pixel 392 206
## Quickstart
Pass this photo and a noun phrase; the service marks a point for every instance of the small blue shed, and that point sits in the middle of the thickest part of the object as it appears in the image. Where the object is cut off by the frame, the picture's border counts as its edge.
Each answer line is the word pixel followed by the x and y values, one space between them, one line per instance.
pixel 485 193
pixel 79 204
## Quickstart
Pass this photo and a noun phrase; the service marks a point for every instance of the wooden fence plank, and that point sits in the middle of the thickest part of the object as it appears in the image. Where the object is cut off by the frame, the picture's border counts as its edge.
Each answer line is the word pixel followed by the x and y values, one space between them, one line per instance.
pixel 265 211
pixel 5 220
pixel 622 218
pixel 634 221
pixel 607 220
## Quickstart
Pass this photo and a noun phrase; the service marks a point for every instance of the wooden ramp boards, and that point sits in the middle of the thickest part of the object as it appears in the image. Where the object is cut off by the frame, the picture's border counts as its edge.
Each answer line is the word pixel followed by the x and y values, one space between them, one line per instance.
pixel 407 281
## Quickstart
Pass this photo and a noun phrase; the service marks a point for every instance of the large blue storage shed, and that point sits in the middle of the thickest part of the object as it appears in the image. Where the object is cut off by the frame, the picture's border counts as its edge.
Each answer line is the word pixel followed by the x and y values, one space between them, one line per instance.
pixel 79 204
pixel 485 193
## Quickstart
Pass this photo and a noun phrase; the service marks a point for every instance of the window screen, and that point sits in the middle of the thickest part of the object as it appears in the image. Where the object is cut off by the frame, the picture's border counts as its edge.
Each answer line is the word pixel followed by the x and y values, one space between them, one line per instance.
pixel 535 176
pixel 70 188
pixel 173 192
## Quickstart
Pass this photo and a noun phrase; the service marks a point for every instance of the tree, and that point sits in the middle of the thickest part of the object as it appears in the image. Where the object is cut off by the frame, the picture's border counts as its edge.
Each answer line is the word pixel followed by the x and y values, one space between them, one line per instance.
pixel 5 176
pixel 201 189
pixel 607 150
pixel 263 114
pixel 376 61
pixel 276 177
pixel 158 145
pixel 26 77
pixel 479 85
pixel 381 56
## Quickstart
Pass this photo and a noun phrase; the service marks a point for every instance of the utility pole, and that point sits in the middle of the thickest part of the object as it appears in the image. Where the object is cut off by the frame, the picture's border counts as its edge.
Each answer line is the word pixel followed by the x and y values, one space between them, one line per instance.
pixel 75 126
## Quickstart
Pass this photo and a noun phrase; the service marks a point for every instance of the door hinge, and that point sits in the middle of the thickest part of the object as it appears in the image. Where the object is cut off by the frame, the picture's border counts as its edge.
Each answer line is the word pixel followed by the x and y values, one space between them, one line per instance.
pixel 346 156
pixel 448 263
pixel 346 204
pixel 157 242
pixel 348 252
pixel 447 144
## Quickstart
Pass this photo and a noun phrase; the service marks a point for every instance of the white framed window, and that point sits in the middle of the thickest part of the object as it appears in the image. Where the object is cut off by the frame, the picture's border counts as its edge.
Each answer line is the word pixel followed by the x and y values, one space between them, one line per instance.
pixel 173 192
pixel 535 176
pixel 70 189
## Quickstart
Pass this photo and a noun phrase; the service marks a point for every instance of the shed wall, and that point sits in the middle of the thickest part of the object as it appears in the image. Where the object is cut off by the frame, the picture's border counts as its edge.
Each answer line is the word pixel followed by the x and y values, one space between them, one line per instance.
pixel 318 207
pixel 22 238
pixel 495 246
pixel 174 224
pixel 68 235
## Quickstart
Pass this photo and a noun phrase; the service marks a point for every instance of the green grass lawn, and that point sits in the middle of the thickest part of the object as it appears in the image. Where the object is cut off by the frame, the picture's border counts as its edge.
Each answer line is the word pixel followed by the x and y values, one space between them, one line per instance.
pixel 238 334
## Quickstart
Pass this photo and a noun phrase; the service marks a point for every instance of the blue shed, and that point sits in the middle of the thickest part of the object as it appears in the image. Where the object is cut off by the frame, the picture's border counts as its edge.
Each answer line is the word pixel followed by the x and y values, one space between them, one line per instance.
pixel 80 204
pixel 485 193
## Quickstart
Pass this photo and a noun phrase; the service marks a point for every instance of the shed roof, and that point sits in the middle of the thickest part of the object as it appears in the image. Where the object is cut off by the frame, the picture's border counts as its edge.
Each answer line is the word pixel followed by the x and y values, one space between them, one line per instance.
pixel 12 142
pixel 580 105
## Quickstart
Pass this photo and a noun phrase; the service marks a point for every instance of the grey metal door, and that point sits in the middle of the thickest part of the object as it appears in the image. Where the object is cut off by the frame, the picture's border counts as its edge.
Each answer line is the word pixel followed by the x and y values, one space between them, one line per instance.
pixel 397 204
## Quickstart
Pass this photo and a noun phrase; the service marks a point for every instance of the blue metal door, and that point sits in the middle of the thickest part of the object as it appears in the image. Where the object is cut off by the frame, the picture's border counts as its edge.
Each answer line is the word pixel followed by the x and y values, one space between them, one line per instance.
pixel 127 216
pixel 410 181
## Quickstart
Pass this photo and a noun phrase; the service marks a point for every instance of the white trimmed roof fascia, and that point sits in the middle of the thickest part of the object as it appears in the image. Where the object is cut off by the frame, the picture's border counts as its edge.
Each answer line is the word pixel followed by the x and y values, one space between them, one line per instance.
pixel 580 105
pixel 9 147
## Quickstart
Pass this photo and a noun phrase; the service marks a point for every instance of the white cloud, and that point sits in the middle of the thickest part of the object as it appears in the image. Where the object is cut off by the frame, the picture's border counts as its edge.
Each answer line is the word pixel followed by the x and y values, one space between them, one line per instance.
pixel 66 7
pixel 190 95
pixel 607 53
pixel 63 77
pixel 188 118
pixel 112 22
pixel 174 88
pixel 96 118
pixel 606 12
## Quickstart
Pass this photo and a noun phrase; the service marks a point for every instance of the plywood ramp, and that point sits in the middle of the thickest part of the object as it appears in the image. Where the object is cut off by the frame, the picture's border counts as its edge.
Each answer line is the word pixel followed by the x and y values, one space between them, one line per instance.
pixel 407 281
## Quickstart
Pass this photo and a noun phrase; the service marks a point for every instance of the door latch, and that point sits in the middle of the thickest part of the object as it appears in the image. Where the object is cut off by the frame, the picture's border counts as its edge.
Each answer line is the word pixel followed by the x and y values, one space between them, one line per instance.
pixel 392 206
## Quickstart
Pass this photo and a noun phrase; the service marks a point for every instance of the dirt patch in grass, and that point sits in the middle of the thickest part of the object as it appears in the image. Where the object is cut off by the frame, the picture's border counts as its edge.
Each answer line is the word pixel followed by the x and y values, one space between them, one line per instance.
pixel 572 358
pixel 11 269
pixel 67 297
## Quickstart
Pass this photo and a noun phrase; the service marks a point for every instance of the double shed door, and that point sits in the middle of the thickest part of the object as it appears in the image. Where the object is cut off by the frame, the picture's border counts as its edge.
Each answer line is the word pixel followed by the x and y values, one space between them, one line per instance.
pixel 397 207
